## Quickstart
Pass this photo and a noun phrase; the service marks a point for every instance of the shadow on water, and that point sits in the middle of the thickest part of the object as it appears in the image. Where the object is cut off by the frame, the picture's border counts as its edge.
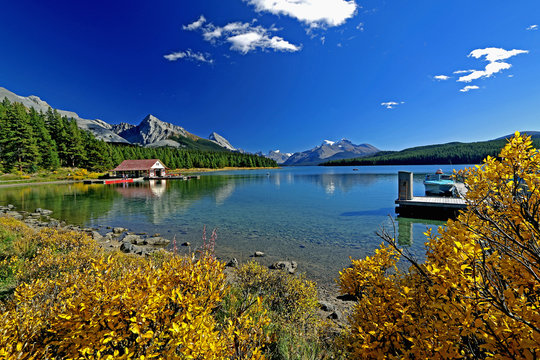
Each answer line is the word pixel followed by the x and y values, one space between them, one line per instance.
pixel 381 211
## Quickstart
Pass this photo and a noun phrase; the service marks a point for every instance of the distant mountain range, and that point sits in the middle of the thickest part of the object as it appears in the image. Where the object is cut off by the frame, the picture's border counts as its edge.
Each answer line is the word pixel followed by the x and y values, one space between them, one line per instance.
pixel 277 155
pixel 449 153
pixel 151 132
pixel 328 150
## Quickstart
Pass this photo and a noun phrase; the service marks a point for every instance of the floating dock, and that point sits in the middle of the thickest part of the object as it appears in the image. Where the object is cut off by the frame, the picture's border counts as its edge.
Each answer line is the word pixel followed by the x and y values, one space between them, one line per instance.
pixel 179 177
pixel 119 181
pixel 426 207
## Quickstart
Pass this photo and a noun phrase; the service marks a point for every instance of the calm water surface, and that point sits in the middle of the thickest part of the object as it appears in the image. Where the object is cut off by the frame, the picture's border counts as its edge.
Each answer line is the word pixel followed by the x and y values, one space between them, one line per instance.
pixel 317 216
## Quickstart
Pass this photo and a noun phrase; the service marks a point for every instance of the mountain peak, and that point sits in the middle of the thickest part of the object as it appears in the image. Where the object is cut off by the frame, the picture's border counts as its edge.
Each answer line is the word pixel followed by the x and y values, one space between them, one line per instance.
pixel 150 118
pixel 331 150
pixel 221 141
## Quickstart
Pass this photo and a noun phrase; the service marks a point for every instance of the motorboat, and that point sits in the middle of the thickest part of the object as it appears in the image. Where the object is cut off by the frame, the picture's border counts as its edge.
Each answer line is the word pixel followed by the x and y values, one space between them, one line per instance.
pixel 439 183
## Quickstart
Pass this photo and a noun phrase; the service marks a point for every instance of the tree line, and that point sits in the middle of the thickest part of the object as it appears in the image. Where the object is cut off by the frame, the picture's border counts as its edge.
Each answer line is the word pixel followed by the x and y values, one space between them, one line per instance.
pixel 31 140
pixel 451 153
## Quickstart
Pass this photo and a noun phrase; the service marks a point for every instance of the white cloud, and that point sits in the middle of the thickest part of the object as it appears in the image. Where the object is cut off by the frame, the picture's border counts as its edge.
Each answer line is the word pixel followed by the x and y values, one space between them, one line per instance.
pixel 495 57
pixel 441 77
pixel 463 71
pixel 245 37
pixel 469 87
pixel 495 54
pixel 315 13
pixel 189 55
pixel 360 27
pixel 252 40
pixel 392 104
pixel 196 24
pixel 532 27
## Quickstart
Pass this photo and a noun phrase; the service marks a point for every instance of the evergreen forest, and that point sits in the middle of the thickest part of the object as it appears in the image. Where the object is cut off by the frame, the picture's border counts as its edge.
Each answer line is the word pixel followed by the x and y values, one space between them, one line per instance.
pixel 31 141
pixel 450 153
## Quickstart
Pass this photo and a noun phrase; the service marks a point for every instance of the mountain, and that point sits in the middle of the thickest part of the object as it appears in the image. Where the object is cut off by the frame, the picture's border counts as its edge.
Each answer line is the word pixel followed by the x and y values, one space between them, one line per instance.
pixel 278 156
pixel 438 154
pixel 330 150
pixel 99 128
pixel 221 141
pixel 532 134
pixel 151 132
pixel 118 128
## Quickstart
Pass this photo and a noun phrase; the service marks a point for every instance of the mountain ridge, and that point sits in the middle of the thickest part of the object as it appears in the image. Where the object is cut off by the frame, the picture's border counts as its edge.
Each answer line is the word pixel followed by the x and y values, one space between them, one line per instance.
pixel 151 131
pixel 331 150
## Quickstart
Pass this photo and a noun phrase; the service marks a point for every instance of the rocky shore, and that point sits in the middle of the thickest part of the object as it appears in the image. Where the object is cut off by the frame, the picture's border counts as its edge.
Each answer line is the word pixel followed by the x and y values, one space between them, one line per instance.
pixel 331 305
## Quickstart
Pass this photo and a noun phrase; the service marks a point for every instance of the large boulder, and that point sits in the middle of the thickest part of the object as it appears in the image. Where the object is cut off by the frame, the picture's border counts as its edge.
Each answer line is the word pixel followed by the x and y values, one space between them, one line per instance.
pixel 134 239
pixel 289 266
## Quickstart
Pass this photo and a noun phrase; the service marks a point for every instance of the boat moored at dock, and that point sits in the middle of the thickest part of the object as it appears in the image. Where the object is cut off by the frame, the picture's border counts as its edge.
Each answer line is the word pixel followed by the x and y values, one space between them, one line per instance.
pixel 439 183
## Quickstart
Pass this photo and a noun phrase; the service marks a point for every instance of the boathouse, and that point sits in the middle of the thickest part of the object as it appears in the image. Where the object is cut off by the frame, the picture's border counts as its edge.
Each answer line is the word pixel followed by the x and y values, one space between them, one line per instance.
pixel 150 168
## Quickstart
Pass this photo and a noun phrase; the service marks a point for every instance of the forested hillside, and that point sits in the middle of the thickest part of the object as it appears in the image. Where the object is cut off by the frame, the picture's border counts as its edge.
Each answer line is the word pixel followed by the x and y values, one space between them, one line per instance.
pixel 30 141
pixel 451 153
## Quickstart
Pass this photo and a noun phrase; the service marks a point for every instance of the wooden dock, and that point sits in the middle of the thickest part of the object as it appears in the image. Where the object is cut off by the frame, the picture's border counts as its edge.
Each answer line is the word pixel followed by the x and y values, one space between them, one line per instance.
pixel 114 181
pixel 178 177
pixel 426 207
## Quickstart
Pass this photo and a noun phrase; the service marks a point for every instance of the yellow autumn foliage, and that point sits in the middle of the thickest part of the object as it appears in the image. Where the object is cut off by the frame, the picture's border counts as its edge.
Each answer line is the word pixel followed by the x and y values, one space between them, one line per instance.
pixel 477 295
pixel 75 301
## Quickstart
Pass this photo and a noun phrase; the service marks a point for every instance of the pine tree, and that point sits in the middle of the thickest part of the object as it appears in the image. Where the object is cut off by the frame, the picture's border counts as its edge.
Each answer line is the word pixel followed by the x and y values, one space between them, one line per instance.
pixel 46 145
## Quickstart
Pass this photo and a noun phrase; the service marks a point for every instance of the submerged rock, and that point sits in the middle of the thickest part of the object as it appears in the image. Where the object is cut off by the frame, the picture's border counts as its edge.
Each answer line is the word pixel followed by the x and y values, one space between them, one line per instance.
pixel 119 230
pixel 157 241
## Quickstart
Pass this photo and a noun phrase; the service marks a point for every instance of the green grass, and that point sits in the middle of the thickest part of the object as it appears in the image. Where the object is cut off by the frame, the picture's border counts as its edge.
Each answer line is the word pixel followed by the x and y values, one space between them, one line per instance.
pixel 40 176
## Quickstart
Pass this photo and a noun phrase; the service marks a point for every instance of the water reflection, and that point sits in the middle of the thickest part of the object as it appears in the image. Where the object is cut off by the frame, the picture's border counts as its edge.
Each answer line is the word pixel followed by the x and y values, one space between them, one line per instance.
pixel 329 182
pixel 407 225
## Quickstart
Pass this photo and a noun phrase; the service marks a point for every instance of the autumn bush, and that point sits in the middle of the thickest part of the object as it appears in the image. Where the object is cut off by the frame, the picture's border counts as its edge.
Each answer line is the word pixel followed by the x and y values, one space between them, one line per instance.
pixel 477 294
pixel 75 301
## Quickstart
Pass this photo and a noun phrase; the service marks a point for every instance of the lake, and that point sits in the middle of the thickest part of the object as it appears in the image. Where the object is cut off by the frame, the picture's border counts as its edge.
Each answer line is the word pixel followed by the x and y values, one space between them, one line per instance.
pixel 316 216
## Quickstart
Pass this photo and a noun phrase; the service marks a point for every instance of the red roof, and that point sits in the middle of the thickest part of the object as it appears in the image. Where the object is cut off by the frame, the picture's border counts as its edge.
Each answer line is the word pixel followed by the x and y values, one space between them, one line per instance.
pixel 133 165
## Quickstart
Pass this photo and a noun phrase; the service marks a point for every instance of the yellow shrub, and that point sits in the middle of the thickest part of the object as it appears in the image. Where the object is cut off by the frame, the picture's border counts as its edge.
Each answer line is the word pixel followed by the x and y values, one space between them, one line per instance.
pixel 75 301
pixel 78 174
pixel 478 293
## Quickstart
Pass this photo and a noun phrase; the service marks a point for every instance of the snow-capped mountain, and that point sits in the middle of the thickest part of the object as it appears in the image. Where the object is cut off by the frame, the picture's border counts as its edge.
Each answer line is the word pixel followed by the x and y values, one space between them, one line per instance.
pixel 330 150
pixel 278 156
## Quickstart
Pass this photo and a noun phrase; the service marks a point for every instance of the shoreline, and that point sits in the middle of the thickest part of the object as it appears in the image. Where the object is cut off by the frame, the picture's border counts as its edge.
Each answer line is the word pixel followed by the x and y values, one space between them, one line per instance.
pixel 332 305
pixel 2 185
pixel 25 182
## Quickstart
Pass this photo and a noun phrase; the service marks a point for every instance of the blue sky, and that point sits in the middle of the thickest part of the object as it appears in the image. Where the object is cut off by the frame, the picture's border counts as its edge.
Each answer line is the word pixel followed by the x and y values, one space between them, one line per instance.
pixel 284 74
